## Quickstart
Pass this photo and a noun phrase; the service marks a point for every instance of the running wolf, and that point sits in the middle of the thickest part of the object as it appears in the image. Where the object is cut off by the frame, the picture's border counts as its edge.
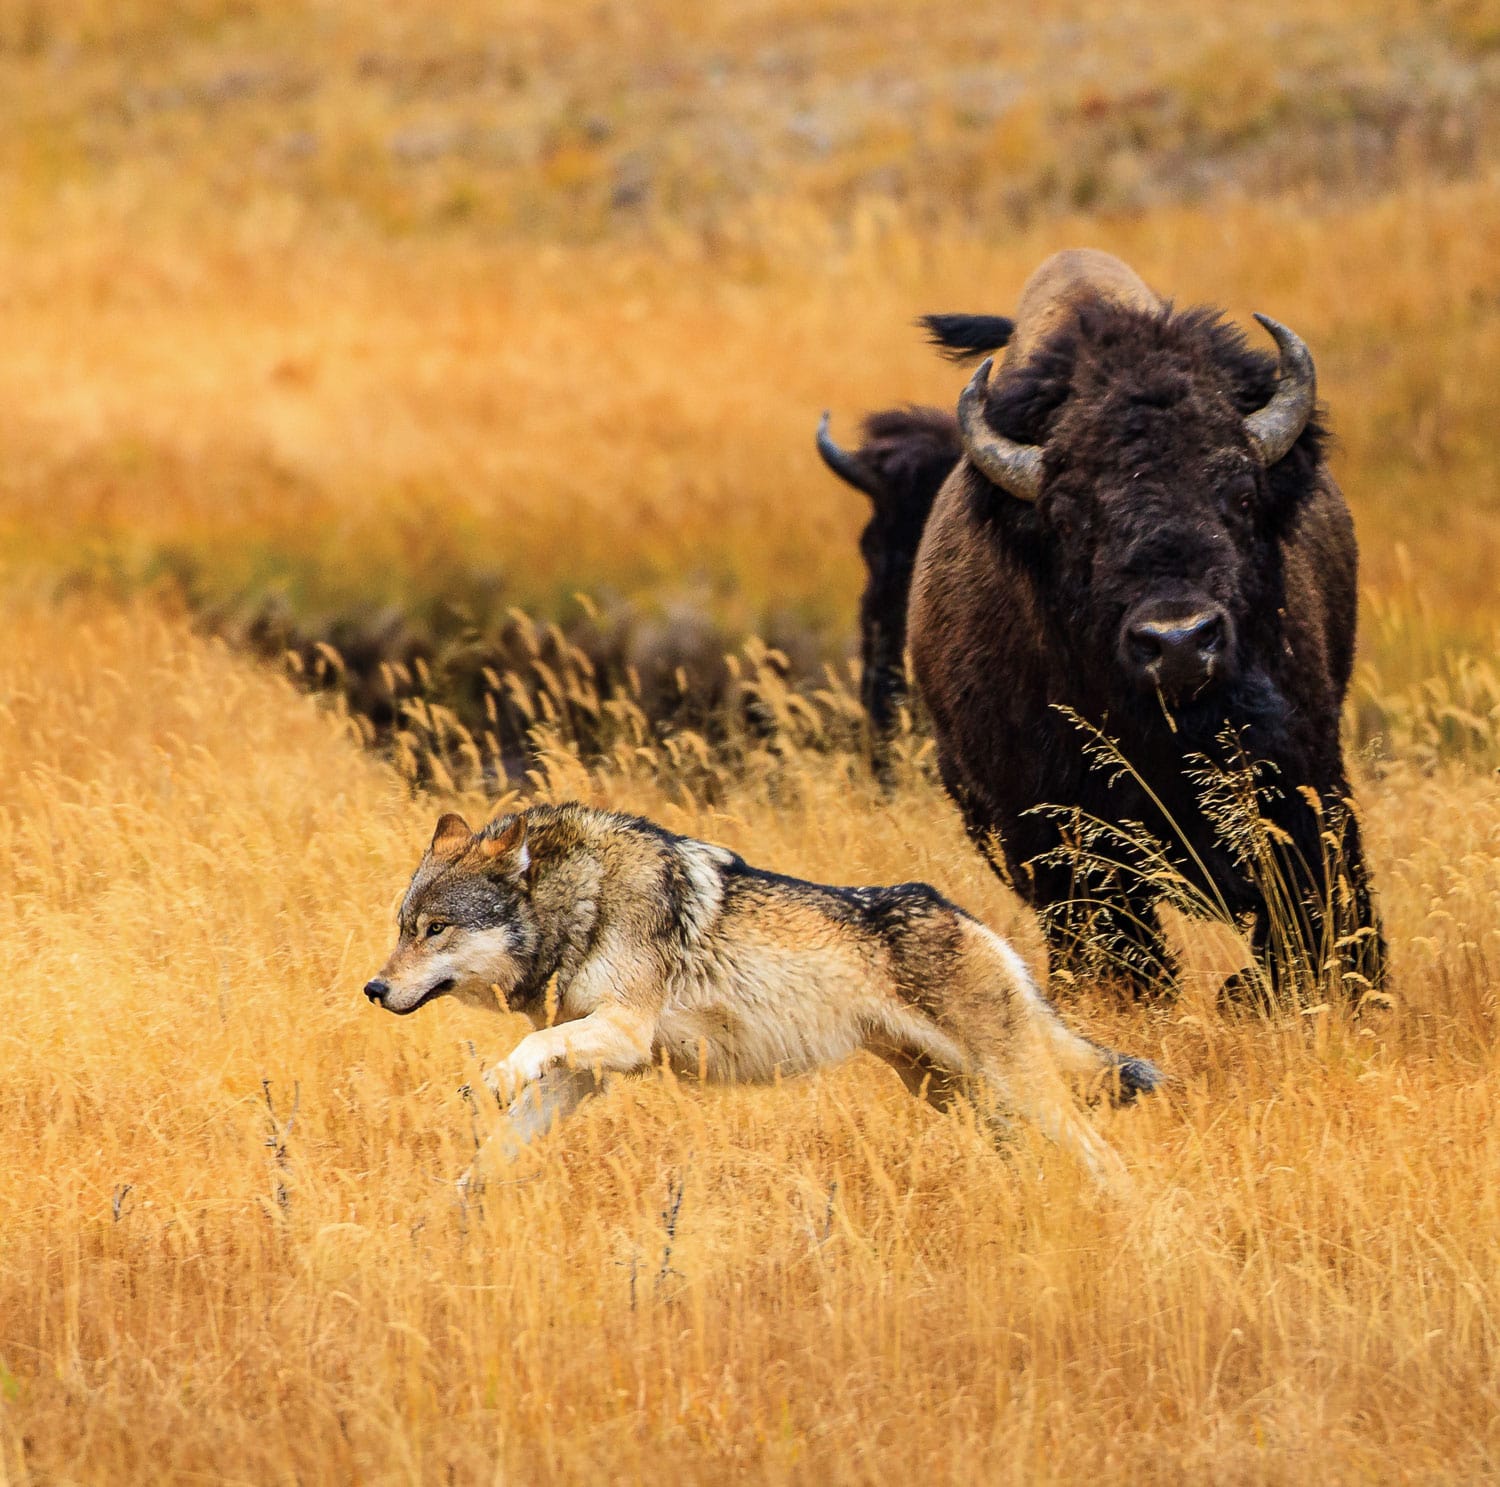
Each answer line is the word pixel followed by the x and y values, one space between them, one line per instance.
pixel 666 949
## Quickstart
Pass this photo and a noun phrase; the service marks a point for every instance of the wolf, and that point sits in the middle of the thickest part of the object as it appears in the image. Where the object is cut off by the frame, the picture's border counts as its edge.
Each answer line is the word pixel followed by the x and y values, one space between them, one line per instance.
pixel 629 946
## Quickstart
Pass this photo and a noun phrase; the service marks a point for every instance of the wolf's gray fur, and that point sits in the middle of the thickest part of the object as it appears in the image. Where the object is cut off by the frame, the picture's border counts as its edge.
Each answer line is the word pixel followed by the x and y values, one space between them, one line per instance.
pixel 661 948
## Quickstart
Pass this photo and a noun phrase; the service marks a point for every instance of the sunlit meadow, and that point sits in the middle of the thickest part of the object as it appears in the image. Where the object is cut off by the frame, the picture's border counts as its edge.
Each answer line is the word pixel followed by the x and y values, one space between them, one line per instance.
pixel 439 311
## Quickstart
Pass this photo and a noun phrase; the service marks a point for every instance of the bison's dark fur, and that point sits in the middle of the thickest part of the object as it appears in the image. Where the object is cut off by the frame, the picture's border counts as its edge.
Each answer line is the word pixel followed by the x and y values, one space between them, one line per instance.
pixel 1024 612
pixel 906 455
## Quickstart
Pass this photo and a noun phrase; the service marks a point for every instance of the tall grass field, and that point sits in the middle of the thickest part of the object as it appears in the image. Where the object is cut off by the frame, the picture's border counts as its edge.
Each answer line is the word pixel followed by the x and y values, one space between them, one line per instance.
pixel 387 315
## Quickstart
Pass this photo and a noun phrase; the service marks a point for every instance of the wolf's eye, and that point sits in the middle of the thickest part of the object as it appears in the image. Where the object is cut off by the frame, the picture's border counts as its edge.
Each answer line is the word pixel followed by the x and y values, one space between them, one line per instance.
pixel 436 927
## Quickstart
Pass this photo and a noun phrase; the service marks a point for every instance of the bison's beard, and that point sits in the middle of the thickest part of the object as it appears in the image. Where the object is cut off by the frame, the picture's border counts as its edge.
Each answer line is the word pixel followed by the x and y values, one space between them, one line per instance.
pixel 1253 702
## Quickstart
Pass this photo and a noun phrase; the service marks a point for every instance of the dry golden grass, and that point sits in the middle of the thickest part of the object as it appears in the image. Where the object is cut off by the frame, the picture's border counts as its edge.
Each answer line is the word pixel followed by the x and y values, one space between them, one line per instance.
pixel 584 121
pixel 231 1253
pixel 392 303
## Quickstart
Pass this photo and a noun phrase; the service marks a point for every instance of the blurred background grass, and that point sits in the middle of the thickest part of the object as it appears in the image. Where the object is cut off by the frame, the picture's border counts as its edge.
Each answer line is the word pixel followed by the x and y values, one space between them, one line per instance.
pixel 455 309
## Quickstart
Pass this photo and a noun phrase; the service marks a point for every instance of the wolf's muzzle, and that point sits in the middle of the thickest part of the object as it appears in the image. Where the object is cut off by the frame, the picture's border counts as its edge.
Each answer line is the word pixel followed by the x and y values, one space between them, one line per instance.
pixel 379 990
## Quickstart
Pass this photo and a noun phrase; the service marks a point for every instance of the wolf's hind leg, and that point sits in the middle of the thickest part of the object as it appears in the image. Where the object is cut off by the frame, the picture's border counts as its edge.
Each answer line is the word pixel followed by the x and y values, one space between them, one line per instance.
pixel 922 1074
pixel 1027 1084
pixel 1033 1089
pixel 933 1067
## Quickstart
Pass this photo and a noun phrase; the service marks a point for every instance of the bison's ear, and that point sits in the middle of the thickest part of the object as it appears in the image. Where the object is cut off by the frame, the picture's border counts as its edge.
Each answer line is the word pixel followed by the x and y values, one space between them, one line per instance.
pixel 451 837
pixel 505 851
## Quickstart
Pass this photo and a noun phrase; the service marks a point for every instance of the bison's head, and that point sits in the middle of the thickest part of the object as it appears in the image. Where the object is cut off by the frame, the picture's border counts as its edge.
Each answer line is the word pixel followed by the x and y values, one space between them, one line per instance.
pixel 1153 483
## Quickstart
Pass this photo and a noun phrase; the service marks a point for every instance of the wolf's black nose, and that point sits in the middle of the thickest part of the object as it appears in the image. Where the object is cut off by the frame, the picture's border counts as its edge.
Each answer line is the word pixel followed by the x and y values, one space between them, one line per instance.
pixel 376 990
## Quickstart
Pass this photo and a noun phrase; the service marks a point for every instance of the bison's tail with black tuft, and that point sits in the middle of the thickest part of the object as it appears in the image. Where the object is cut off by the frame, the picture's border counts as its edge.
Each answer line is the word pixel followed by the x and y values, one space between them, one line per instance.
pixel 963 337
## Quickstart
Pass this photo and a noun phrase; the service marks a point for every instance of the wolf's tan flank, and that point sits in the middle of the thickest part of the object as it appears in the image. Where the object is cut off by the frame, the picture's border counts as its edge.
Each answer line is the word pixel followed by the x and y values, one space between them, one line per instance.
pixel 667 949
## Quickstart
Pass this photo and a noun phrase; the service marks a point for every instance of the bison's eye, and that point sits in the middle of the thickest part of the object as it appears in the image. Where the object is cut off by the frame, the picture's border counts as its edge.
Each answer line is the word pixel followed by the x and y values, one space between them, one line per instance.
pixel 435 928
pixel 1240 496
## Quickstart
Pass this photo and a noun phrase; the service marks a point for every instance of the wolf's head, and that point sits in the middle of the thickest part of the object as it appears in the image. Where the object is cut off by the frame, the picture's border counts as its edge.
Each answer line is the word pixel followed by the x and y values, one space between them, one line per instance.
pixel 466 924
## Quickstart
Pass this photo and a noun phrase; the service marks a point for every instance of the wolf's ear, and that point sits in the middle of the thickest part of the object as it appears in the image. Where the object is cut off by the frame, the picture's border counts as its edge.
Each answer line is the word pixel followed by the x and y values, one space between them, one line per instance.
pixel 506 850
pixel 451 837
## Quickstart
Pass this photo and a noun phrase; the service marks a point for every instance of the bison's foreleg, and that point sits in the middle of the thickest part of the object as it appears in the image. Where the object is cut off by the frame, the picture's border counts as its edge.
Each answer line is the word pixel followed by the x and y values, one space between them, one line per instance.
pixel 882 631
pixel 1316 930
pixel 1099 919
pixel 1365 950
pixel 1101 925
pixel 1117 941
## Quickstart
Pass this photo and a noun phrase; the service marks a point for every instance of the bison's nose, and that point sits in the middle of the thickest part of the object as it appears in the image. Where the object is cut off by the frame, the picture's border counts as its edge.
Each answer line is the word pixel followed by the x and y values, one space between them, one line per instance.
pixel 376 989
pixel 1177 653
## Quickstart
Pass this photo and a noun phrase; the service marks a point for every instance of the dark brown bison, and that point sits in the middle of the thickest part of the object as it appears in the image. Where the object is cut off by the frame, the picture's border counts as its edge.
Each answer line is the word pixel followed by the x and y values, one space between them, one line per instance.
pixel 1131 529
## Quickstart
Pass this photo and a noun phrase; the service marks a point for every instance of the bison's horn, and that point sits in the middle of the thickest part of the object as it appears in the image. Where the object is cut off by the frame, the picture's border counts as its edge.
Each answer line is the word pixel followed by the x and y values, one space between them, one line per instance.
pixel 1016 468
pixel 848 467
pixel 1276 427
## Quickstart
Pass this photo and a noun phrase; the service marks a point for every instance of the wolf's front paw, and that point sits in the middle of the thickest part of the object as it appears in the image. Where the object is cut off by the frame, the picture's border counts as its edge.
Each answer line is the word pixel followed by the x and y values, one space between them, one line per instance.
pixel 491 1081
pixel 511 1075
pixel 505 1080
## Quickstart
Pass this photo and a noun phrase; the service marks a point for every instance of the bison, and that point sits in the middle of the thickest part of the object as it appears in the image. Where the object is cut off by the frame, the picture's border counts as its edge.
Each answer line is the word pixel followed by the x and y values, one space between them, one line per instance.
pixel 1129 533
